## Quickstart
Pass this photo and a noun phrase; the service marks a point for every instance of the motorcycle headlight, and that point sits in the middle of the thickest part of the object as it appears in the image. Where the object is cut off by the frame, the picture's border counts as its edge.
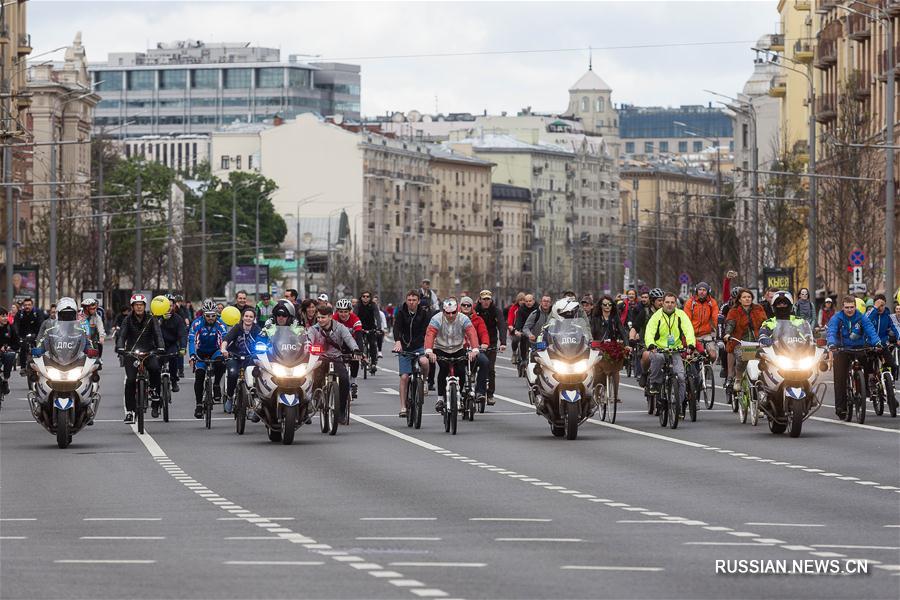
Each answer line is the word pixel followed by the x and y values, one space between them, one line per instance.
pixel 58 375
pixel 806 363
pixel 783 362
pixel 565 368
pixel 298 371
pixel 280 370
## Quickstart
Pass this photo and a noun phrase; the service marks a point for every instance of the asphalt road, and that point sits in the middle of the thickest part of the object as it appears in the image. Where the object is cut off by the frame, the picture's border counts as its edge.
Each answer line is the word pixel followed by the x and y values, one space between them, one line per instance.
pixel 501 510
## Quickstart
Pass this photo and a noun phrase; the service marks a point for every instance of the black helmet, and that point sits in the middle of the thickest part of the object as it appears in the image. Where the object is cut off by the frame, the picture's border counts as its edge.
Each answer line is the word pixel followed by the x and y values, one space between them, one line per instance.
pixel 782 304
pixel 284 308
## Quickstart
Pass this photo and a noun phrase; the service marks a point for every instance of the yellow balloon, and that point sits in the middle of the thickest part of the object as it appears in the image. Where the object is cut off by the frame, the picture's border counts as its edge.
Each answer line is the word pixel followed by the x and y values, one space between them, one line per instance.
pixel 231 315
pixel 159 306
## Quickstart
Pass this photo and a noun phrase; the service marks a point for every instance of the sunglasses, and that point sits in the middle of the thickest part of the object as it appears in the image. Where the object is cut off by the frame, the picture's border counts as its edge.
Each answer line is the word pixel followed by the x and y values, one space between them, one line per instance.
pixel 466 305
pixel 365 295
pixel 606 304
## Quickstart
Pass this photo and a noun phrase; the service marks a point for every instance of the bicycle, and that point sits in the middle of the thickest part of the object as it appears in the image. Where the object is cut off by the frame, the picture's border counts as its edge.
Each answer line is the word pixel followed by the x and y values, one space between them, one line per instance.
pixel 667 405
pixel 370 356
pixel 241 396
pixel 142 385
pixel 520 357
pixel 606 367
pixel 328 399
pixel 707 378
pixel 693 384
pixel 165 386
pixel 856 385
pixel 881 382
pixel 452 399
pixel 747 401
pixel 208 400
pixel 415 391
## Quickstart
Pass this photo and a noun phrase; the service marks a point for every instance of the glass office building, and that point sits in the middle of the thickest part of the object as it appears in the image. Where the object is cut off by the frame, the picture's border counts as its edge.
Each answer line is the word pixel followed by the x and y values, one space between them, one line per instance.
pixel 196 88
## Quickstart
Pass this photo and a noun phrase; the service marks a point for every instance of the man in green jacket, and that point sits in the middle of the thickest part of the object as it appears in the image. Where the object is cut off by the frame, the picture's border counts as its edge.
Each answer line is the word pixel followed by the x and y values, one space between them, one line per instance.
pixel 669 329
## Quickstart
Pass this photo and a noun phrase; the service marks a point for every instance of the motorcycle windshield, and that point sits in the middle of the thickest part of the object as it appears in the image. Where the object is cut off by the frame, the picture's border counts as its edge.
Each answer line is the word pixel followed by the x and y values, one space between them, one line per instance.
pixel 286 347
pixel 568 338
pixel 65 342
pixel 794 340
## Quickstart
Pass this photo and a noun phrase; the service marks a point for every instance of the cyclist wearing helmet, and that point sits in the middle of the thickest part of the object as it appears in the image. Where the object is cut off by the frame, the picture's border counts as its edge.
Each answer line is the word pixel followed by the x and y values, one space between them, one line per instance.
pixel 139 332
pixel 174 333
pixel 92 323
pixel 204 341
pixel 447 335
pixel 343 314
pixel 703 310
pixel 332 340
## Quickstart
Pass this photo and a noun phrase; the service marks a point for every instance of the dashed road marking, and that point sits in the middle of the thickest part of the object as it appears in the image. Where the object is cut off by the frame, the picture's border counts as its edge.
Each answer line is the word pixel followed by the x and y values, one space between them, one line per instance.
pixel 785 524
pixel 460 565
pixel 292 563
pixel 609 568
pixel 103 561
pixel 511 519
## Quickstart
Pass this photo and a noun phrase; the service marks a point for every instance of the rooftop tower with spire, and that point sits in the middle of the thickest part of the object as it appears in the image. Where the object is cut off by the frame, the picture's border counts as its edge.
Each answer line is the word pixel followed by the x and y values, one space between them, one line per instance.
pixel 590 101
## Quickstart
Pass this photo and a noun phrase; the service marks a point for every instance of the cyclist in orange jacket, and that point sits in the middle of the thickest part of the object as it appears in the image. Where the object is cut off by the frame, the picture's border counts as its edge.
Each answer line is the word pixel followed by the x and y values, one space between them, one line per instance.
pixel 703 311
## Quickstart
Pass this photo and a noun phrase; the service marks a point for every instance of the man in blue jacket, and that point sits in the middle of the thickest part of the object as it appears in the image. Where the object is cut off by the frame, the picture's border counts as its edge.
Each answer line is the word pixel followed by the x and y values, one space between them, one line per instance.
pixel 888 331
pixel 204 346
pixel 848 329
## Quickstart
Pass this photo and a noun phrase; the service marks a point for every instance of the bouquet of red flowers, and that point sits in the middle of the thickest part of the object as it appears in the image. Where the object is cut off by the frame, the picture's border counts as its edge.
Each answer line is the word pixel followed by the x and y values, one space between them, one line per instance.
pixel 612 350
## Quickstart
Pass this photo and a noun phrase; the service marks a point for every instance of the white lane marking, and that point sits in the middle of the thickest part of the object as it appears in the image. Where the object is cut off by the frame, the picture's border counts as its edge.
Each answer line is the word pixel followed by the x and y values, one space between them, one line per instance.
pixel 688 443
pixel 264 538
pixel 609 568
pixel 786 524
pixel 246 519
pixel 511 519
pixel 828 554
pixel 859 425
pixel 122 519
pixel 122 537
pixel 607 502
pixel 461 565
pixel 103 561
pixel 726 544
pixel 284 534
pixel 650 521
pixel 891 525
pixel 398 518
pixel 398 539
pixel 406 583
pixel 429 593
pixel 293 563
pixel 535 539
pixel 19 519
pixel 856 547
pixel 13 537
pixel 389 391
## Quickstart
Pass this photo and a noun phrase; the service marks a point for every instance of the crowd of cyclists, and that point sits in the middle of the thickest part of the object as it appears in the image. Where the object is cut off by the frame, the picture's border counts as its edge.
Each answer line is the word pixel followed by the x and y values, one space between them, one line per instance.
pixel 219 339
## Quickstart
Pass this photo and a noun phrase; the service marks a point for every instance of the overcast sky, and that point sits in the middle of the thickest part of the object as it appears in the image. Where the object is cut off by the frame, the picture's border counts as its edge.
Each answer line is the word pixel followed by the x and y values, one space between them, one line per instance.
pixel 359 32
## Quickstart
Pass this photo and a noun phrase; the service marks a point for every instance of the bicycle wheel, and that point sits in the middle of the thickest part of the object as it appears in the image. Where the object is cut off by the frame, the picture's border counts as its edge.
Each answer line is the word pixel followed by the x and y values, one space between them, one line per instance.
pixel 662 405
pixel 141 403
pixel 743 400
pixel 324 415
pixel 453 407
pixel 365 367
pixel 878 400
pixel 629 367
pixel 602 400
pixel 754 406
pixel 696 388
pixel 207 403
pixel 165 397
pixel 890 395
pixel 411 402
pixel 240 408
pixel 420 401
pixel 861 397
pixel 709 385
pixel 612 401
pixel 334 401
pixel 674 404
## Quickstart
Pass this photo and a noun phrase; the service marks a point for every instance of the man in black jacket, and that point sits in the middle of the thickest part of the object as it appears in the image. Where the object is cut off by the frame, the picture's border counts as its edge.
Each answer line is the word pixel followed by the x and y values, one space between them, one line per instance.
pixel 139 332
pixel 410 322
pixel 521 317
pixel 28 324
pixel 368 317
pixel 496 327
pixel 9 344
pixel 174 334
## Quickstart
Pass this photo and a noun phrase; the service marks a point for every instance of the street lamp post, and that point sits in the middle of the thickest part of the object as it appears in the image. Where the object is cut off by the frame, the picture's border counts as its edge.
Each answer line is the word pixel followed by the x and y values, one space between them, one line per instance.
pixel 138 239
pixel 256 250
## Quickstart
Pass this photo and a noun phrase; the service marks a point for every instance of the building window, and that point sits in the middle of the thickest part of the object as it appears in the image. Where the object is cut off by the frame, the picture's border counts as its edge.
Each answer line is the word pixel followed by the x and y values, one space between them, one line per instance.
pixel 585 104
pixel 698 146
pixel 648 147
pixel 298 78
pixel 226 163
pixel 629 147
pixel 682 146
pixel 270 77
pixel 108 81
pixel 664 146
pixel 237 162
pixel 172 79
pixel 600 106
pixel 745 135
pixel 249 161
pixel 141 80
pixel 205 79
pixel 237 78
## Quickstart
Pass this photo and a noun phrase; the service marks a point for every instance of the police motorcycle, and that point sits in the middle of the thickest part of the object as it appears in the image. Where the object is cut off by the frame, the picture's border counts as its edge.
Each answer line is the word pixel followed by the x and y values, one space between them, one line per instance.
pixel 787 372
pixel 65 371
pixel 560 375
pixel 280 383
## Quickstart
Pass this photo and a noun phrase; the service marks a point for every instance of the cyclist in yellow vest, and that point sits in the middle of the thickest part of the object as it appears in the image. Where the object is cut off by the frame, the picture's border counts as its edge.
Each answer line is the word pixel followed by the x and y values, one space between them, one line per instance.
pixel 668 328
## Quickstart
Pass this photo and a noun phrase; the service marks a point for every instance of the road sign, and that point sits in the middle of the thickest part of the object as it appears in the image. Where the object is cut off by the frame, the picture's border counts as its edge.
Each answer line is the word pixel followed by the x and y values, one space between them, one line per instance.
pixel 857 276
pixel 684 279
pixel 684 290
pixel 857 258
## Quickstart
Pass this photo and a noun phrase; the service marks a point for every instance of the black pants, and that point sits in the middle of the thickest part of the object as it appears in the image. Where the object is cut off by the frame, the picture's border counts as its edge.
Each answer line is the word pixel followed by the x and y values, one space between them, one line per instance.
pixel 459 369
pixel 9 359
pixel 151 364
pixel 234 367
pixel 491 356
pixel 172 363
pixel 379 340
pixel 371 341
pixel 343 381
pixel 841 370
pixel 218 370
pixel 25 347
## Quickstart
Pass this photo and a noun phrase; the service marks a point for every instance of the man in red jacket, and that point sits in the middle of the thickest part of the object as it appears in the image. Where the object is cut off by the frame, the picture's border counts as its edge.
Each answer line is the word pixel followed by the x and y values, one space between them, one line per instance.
pixel 482 362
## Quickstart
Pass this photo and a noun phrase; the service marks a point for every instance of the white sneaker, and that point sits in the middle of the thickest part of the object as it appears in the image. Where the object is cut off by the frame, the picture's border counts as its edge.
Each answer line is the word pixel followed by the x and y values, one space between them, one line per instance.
pixel 129 418
pixel 380 355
